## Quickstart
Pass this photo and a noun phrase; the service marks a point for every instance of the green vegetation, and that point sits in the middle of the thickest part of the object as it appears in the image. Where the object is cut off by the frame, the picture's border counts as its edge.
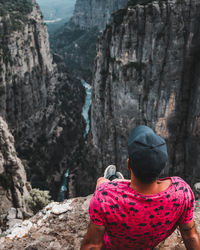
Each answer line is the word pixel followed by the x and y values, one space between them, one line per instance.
pixel 15 7
pixel 14 13
pixel 37 200
pixel 78 48
pixel 3 235
pixel 53 27
pixel 65 37
pixel 6 180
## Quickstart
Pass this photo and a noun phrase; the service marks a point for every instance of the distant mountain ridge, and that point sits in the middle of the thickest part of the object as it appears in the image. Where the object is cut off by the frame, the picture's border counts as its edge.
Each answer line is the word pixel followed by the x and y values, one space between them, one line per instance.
pixel 90 14
pixel 57 9
pixel 76 40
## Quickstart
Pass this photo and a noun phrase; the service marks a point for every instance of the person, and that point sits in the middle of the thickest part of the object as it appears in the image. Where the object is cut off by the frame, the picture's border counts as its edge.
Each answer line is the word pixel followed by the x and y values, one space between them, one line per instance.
pixel 141 212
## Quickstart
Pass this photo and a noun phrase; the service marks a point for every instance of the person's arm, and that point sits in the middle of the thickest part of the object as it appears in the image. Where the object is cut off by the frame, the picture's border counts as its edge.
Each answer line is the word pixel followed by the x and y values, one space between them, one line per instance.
pixel 93 239
pixel 190 236
pixel 103 180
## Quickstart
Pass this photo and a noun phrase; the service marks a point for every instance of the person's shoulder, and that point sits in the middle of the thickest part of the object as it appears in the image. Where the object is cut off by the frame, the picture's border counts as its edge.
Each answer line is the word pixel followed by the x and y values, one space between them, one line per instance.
pixel 107 185
pixel 178 181
pixel 110 186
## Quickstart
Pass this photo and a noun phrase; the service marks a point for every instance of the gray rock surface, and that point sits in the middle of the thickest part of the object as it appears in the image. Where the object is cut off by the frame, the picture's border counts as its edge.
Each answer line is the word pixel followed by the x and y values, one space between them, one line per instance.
pixel 40 101
pixel 57 226
pixel 63 226
pixel 197 190
pixel 95 13
pixel 147 72
pixel 12 175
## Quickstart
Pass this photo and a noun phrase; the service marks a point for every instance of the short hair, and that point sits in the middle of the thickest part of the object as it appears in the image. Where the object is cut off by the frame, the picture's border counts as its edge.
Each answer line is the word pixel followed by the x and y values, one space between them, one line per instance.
pixel 139 173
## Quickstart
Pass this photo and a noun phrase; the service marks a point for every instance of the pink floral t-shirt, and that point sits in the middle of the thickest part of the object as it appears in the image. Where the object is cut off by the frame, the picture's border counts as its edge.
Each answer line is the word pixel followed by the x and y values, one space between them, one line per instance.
pixel 136 221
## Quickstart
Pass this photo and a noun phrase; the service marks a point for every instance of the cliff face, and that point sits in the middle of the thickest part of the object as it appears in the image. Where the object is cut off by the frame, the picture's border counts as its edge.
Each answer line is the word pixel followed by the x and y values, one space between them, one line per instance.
pixel 25 64
pixel 39 100
pixel 147 72
pixel 12 173
pixel 95 13
pixel 76 41
pixel 63 226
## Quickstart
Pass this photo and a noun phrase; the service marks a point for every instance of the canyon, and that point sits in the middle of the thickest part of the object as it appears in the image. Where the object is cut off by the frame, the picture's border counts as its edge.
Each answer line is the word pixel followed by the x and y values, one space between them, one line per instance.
pixel 146 71
pixel 76 40
pixel 40 101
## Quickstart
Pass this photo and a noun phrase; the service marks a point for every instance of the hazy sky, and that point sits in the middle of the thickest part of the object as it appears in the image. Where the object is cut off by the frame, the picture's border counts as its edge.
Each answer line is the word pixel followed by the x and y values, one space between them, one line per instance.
pixel 53 9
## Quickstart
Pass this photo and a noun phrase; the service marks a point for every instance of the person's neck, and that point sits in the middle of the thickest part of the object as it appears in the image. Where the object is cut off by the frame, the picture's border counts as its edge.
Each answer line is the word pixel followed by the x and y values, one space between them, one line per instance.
pixel 142 188
pixel 148 189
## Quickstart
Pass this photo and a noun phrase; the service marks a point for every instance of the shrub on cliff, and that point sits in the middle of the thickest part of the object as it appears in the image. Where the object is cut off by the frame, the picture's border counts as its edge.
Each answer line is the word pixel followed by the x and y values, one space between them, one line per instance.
pixel 13 13
pixel 37 200
pixel 21 6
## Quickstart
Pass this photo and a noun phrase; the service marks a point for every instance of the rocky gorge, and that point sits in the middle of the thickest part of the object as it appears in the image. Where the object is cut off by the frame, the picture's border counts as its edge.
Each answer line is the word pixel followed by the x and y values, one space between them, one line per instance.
pixel 146 72
pixel 40 101
pixel 76 40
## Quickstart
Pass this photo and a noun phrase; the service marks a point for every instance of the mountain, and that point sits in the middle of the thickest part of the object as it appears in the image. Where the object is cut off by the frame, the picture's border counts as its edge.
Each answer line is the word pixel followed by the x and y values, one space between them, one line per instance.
pixel 53 10
pixel 76 40
pixel 147 72
pixel 90 14
pixel 56 13
pixel 40 101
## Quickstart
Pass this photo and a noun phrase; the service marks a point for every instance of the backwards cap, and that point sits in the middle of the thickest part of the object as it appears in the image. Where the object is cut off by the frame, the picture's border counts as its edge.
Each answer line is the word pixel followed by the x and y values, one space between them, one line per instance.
pixel 147 151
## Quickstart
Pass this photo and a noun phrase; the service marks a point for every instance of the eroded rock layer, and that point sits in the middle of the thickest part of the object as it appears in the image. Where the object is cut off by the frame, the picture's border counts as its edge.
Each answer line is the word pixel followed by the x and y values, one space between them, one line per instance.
pixel 39 100
pixel 13 183
pixel 147 72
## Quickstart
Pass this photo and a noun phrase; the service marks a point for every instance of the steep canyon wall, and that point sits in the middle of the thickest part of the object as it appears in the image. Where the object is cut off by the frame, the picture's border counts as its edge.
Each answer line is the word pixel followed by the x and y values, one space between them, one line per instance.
pixel 147 72
pixel 40 101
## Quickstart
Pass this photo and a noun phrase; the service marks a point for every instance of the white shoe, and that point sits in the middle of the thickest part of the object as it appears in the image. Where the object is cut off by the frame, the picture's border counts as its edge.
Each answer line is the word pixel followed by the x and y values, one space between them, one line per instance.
pixel 109 171
pixel 119 175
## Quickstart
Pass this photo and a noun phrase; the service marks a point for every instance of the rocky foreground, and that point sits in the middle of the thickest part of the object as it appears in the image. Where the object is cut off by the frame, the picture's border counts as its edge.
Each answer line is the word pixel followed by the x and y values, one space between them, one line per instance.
pixel 63 226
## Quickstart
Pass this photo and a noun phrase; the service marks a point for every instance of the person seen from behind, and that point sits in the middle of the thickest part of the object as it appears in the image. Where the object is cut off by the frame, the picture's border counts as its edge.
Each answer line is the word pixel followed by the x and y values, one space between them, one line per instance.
pixel 141 212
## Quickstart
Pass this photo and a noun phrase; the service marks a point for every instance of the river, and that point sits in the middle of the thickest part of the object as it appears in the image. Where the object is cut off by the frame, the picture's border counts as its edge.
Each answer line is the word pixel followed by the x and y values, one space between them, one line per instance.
pixel 85 113
pixel 86 107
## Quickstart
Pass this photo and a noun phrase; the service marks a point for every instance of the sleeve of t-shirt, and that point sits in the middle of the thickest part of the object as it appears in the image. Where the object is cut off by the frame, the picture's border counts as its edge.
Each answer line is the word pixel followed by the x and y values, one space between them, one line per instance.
pixel 95 210
pixel 188 213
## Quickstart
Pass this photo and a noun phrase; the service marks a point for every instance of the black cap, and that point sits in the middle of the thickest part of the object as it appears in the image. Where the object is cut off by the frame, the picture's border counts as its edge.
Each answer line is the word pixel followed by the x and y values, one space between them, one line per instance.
pixel 147 151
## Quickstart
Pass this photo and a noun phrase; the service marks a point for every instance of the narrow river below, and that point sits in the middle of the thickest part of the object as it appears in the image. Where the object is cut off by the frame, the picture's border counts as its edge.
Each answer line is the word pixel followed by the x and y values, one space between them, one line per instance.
pixel 85 113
